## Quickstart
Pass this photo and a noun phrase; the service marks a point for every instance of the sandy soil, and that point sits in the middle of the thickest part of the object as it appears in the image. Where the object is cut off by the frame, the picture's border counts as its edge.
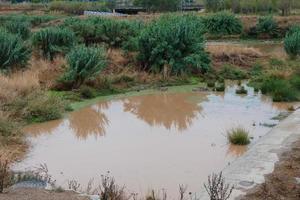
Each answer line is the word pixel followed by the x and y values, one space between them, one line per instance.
pixel 282 183
pixel 39 194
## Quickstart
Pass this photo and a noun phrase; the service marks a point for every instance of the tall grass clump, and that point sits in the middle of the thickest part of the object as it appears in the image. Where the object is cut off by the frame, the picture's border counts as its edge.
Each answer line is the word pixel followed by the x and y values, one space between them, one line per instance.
pixel 223 23
pixel 84 63
pixel 13 51
pixel 232 72
pixel 268 26
pixel 53 41
pixel 238 136
pixel 292 42
pixel 173 45
pixel 279 88
pixel 21 28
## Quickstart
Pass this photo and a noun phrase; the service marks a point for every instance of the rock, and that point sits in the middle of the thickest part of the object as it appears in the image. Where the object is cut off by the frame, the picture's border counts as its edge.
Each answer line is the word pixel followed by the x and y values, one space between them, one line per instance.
pixel 297 180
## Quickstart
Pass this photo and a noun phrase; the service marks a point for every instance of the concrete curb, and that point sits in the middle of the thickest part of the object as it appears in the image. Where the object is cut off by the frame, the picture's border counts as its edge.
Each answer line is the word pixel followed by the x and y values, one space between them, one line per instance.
pixel 249 170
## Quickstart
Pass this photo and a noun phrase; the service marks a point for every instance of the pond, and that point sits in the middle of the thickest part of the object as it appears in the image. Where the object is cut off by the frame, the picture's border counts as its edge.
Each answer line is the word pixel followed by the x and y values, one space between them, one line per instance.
pixel 152 141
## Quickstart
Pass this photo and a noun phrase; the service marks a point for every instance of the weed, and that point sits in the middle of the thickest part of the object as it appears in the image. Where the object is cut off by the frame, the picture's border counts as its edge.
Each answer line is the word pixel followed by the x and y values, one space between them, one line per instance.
pixel 232 72
pixel 87 92
pixel 238 136
pixel 220 87
pixel 211 83
pixel 4 174
pixel 241 90
pixel 217 189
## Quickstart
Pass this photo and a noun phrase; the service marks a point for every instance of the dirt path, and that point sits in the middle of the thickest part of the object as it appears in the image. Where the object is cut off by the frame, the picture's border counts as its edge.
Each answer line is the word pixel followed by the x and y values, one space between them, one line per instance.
pixel 39 194
pixel 284 182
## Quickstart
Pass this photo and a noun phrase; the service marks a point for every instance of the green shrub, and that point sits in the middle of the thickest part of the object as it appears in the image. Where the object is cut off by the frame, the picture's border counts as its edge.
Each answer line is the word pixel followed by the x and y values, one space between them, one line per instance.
pixel 295 81
pixel 223 23
pixel 241 90
pixel 13 52
pixel 220 87
pixel 173 44
pixel 292 30
pixel 233 73
pixel 87 92
pixel 8 128
pixel 18 27
pixel 292 43
pixel 84 63
pixel 279 88
pixel 52 41
pixel 38 107
pixel 211 83
pixel 267 25
pixel 112 32
pixel 238 136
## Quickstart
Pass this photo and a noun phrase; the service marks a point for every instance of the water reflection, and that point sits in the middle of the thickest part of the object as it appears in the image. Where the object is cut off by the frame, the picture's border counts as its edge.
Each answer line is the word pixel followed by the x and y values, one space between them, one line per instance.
pixel 167 110
pixel 90 121
pixel 236 150
pixel 43 128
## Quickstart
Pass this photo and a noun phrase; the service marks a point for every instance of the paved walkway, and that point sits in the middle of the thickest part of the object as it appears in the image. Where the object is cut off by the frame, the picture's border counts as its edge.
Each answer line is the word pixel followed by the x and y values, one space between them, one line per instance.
pixel 249 170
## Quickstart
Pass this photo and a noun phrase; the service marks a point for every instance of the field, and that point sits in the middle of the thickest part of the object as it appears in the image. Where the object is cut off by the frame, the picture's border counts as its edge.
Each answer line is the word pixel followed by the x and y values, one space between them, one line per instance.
pixel 54 60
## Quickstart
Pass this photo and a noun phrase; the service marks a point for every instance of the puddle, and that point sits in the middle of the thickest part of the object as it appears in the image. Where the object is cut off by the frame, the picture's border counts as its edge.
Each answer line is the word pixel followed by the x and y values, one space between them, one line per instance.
pixel 152 141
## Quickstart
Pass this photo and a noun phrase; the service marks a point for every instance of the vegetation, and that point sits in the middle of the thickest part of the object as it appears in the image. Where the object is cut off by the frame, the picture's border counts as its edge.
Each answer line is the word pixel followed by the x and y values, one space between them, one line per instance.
pixel 53 41
pixel 173 45
pixel 241 90
pixel 233 73
pixel 13 51
pixel 238 136
pixel 18 27
pixel 292 42
pixel 223 23
pixel 84 63
pixel 267 25
pixel 158 5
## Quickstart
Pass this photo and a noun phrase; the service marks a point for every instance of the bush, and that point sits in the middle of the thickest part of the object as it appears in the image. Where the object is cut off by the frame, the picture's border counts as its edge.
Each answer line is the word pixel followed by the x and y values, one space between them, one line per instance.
pixel 279 88
pixel 267 25
pixel 18 27
pixel 13 52
pixel 223 23
pixel 87 92
pixel 220 87
pixel 238 136
pixel 112 32
pixel 173 44
pixel 292 43
pixel 241 90
pixel 38 107
pixel 52 41
pixel 233 73
pixel 84 63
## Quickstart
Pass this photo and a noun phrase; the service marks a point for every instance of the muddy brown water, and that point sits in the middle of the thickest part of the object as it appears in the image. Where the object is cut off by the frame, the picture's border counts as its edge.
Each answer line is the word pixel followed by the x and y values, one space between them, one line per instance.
pixel 154 141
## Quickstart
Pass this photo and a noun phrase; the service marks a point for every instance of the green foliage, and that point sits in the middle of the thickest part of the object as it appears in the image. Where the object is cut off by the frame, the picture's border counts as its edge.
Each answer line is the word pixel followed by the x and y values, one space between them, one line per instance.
pixel 279 88
pixel 220 87
pixel 238 136
pixel 292 30
pixel 214 5
pixel 33 20
pixel 13 52
pixel 241 90
pixel 158 5
pixel 84 63
pixel 223 23
pixel 86 92
pixel 232 72
pixel 267 25
pixel 173 44
pixel 292 43
pixel 52 41
pixel 114 33
pixel 18 27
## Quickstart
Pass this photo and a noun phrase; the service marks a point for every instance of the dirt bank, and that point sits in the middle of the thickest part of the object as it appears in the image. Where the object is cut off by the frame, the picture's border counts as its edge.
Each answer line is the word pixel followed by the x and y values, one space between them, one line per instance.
pixel 284 182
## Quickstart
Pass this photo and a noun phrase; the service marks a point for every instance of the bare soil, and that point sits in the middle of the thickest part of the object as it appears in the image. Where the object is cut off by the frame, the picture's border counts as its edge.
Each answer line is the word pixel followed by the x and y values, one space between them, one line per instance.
pixel 282 183
pixel 40 194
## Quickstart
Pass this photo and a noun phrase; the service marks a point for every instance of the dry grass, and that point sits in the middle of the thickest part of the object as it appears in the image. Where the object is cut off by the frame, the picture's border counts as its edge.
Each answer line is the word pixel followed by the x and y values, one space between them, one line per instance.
pixel 235 55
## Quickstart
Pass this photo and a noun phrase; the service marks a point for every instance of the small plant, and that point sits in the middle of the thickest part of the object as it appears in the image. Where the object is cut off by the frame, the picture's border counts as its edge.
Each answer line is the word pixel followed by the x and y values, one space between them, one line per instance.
pixel 84 63
pixel 241 90
pixel 4 174
pixel 53 41
pixel 223 23
pixel 267 25
pixel 110 190
pixel 217 189
pixel 232 72
pixel 18 27
pixel 13 52
pixel 211 83
pixel 238 136
pixel 220 87
pixel 87 92
pixel 292 43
